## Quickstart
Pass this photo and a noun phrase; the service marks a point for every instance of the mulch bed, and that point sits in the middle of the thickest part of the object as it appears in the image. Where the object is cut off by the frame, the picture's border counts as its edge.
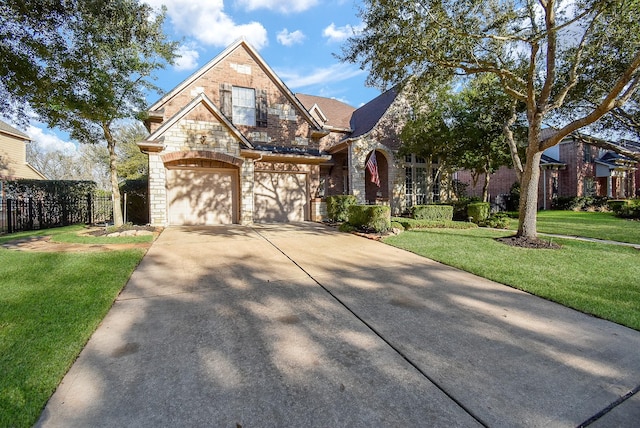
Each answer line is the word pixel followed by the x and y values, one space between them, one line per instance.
pixel 523 242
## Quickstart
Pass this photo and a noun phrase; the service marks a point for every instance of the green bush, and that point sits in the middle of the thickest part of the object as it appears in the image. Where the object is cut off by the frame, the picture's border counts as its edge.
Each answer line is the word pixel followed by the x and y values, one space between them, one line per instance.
pixel 616 205
pixel 346 227
pixel 338 207
pixel 370 218
pixel 579 203
pixel 410 223
pixel 629 210
pixel 497 221
pixel 397 225
pixel 460 208
pixel 432 212
pixel 478 211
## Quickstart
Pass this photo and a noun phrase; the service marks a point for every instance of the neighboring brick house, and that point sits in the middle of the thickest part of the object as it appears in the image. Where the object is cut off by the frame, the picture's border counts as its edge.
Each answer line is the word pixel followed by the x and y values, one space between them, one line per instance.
pixel 232 144
pixel 572 168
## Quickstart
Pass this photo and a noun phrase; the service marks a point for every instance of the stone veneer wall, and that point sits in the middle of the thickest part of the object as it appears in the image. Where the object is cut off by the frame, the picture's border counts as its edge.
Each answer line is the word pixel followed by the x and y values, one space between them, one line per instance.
pixel 191 135
pixel 358 152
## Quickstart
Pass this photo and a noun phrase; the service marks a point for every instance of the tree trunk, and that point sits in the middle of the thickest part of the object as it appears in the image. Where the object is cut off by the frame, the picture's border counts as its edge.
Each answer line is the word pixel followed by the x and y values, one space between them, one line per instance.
pixel 485 187
pixel 529 194
pixel 113 173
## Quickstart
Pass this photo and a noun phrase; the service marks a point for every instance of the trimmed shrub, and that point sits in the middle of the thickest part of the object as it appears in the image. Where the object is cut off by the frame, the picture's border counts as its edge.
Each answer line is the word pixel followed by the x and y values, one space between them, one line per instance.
pixel 479 211
pixel 497 221
pixel 629 210
pixel 460 208
pixel 409 223
pixel 580 203
pixel 616 205
pixel 397 225
pixel 346 227
pixel 432 212
pixel 338 207
pixel 374 218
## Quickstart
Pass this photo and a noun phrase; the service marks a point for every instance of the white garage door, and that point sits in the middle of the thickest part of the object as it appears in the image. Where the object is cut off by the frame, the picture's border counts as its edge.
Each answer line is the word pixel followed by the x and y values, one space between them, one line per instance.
pixel 202 197
pixel 280 197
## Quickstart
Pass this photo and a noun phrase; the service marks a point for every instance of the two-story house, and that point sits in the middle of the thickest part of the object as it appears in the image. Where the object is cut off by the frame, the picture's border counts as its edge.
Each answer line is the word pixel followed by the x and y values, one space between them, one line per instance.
pixel 13 154
pixel 232 144
pixel 574 167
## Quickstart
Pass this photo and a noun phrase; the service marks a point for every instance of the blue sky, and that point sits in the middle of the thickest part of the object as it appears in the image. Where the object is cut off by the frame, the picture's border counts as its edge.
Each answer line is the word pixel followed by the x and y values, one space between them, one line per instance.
pixel 297 38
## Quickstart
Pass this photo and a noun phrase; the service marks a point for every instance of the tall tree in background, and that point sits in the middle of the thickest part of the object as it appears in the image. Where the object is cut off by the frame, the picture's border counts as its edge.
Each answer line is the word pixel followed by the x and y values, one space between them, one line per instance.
pixel 479 114
pixel 82 66
pixel 546 54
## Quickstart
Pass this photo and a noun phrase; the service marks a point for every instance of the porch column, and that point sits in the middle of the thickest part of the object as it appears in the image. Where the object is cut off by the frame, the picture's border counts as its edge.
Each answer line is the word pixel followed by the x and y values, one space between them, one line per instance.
pixel 609 186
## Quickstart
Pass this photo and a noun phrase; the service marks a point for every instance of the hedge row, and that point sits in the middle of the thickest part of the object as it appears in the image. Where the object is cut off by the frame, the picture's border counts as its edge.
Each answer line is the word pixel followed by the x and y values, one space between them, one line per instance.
pixel 432 212
pixel 410 223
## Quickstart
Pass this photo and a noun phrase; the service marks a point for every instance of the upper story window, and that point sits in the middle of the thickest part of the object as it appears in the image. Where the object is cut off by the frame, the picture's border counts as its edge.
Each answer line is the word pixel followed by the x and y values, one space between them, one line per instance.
pixel 244 106
pixel 587 155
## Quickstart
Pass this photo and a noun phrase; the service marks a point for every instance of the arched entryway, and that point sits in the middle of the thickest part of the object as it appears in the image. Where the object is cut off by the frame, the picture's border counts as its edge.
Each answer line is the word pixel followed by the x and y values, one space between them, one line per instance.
pixel 375 193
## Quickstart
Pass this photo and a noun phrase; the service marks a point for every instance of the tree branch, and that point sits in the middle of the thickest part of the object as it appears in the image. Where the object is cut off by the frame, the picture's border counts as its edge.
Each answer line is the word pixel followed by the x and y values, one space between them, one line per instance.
pixel 513 148
pixel 627 82
pixel 573 73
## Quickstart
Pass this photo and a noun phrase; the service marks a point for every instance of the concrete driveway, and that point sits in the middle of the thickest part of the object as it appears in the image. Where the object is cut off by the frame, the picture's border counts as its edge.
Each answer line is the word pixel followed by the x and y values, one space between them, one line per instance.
pixel 300 325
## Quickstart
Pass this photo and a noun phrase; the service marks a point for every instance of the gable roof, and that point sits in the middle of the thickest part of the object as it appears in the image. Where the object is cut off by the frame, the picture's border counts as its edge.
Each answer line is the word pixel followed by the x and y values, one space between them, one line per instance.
pixel 200 99
pixel 337 113
pixel 238 44
pixel 5 128
pixel 366 117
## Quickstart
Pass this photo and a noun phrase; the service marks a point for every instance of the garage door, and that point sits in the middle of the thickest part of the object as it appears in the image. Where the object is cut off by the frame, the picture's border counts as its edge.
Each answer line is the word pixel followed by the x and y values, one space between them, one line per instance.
pixel 280 197
pixel 201 197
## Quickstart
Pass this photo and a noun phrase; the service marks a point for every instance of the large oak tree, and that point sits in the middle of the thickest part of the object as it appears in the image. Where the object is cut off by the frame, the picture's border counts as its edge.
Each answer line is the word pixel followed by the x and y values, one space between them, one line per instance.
pixel 547 54
pixel 81 66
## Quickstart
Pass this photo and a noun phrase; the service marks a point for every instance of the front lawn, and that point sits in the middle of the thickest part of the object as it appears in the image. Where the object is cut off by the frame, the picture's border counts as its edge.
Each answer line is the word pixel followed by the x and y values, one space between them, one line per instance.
pixel 597 279
pixel 76 235
pixel 51 304
pixel 588 224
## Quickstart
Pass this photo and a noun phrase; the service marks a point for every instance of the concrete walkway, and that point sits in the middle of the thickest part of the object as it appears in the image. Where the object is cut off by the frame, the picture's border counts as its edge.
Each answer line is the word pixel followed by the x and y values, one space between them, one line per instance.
pixel 300 325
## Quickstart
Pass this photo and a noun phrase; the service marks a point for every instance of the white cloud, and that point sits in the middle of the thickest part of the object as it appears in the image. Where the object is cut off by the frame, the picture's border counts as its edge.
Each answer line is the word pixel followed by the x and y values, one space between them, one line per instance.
pixel 50 142
pixel 205 21
pixel 187 58
pixel 340 34
pixel 333 73
pixel 288 39
pixel 283 6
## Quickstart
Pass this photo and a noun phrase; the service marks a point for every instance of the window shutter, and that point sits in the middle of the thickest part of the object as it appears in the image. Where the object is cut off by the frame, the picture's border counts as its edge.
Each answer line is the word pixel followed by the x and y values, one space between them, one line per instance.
pixel 226 106
pixel 261 108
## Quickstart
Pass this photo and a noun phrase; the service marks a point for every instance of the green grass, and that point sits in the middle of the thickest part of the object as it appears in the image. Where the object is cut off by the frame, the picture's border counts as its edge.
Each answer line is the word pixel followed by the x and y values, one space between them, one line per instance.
pixel 588 224
pixel 51 304
pixel 73 235
pixel 598 279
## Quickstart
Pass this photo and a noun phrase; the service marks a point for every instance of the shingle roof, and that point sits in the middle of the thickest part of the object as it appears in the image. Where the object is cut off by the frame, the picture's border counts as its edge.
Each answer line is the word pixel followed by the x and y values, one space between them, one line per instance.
pixel 338 114
pixel 546 159
pixel 366 117
pixel 5 127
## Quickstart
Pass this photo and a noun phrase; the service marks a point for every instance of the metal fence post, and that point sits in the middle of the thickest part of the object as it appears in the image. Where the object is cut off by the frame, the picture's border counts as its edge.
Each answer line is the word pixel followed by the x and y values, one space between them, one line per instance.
pixel 89 209
pixel 9 217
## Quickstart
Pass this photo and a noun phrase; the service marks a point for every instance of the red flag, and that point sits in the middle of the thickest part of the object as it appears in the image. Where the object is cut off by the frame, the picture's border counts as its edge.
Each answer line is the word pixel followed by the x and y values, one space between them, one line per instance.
pixel 372 166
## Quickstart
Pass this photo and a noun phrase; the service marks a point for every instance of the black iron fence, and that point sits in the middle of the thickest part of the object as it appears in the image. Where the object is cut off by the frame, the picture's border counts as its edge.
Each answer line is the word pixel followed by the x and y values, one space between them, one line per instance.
pixel 31 213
